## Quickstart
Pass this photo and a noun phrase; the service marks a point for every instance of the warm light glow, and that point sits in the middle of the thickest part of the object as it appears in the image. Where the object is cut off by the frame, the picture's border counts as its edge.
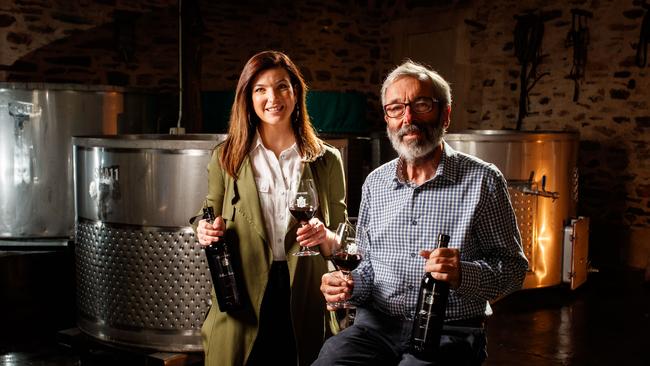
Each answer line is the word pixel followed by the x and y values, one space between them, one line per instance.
pixel 543 247
pixel 544 240
pixel 113 107
pixel 527 161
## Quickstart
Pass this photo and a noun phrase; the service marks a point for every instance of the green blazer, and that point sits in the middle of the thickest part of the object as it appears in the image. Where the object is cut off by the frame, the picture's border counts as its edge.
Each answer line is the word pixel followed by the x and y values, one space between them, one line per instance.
pixel 228 338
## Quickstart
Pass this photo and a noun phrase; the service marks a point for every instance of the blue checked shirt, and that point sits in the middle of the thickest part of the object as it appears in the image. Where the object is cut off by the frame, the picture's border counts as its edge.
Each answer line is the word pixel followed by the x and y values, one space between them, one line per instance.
pixel 468 200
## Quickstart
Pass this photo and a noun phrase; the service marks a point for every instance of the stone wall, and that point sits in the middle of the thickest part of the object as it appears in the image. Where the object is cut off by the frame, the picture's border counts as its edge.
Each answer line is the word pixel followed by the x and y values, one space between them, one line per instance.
pixel 612 112
pixel 87 42
pixel 345 46
pixel 338 46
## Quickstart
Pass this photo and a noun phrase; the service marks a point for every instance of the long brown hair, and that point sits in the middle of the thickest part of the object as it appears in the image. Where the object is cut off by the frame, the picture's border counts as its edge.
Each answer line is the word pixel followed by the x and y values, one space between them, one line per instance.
pixel 244 121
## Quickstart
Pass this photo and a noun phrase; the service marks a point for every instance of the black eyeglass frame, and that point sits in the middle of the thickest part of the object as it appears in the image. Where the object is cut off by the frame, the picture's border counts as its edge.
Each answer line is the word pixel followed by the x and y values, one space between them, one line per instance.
pixel 410 104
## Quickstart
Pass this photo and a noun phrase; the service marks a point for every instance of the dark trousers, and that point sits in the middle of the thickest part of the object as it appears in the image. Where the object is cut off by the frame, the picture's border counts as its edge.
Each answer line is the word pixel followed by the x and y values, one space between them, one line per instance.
pixel 376 339
pixel 275 342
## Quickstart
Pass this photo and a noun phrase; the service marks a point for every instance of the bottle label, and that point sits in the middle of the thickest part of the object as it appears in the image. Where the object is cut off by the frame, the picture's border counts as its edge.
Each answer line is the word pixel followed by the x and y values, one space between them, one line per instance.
pixel 428 297
pixel 225 269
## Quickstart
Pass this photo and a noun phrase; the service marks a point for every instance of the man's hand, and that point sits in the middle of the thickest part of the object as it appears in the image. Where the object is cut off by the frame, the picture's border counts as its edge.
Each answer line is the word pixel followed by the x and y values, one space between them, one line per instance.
pixel 443 264
pixel 335 288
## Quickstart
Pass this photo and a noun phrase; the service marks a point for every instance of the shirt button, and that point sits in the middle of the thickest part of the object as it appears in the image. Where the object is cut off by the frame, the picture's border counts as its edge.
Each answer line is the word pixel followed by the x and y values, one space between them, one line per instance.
pixel 414 222
pixel 279 240
pixel 412 255
pixel 410 287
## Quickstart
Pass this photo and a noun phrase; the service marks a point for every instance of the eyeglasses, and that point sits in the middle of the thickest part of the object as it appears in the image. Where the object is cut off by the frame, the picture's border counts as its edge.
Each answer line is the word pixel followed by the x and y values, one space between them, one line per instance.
pixel 419 105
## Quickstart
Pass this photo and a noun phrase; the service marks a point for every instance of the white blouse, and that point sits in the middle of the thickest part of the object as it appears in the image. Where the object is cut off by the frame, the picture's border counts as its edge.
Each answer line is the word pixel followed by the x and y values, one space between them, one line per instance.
pixel 273 178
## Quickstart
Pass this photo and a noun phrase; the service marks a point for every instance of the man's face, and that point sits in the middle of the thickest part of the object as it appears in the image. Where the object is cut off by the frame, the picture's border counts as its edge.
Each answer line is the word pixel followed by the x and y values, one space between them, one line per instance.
pixel 415 135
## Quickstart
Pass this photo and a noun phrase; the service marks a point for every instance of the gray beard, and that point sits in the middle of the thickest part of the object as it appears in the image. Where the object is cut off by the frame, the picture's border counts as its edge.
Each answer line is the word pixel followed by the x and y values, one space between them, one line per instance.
pixel 415 150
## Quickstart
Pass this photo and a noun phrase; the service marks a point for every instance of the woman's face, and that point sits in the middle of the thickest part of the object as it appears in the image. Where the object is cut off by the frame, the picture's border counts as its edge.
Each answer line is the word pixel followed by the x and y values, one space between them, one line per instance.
pixel 273 96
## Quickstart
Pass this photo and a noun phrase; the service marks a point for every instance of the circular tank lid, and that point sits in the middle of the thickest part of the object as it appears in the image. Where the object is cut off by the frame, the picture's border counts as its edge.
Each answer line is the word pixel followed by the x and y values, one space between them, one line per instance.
pixel 510 135
pixel 150 141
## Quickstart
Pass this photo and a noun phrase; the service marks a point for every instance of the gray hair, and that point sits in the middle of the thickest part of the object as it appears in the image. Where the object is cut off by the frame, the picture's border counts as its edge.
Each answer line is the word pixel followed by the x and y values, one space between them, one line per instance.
pixel 441 88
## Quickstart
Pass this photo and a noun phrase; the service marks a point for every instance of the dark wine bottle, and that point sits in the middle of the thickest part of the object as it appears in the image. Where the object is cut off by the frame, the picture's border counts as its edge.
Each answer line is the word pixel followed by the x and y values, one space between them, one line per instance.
pixel 225 279
pixel 429 313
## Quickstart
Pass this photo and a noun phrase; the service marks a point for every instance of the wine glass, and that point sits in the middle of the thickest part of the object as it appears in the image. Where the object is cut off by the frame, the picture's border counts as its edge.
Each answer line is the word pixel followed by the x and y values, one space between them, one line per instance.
pixel 303 202
pixel 347 255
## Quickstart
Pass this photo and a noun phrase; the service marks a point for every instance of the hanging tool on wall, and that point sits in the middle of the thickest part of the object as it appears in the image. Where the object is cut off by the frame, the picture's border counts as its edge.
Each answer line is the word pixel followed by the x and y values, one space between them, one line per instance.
pixel 578 38
pixel 528 35
pixel 644 38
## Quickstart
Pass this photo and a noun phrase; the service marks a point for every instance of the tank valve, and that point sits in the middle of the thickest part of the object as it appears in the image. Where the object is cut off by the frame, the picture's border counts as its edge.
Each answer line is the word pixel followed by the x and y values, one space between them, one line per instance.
pixel 528 188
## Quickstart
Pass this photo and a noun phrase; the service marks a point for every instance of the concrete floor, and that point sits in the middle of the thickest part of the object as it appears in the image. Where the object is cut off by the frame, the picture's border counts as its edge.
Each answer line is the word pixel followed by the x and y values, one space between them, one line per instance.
pixel 604 322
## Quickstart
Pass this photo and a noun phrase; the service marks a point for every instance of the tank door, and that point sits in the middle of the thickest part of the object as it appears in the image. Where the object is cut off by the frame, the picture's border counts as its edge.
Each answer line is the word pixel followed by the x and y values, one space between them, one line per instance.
pixel 576 250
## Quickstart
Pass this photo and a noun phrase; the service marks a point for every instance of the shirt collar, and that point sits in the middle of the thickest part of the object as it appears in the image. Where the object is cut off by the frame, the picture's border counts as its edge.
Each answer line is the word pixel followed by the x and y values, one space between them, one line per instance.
pixel 257 141
pixel 400 177
pixel 449 163
pixel 258 144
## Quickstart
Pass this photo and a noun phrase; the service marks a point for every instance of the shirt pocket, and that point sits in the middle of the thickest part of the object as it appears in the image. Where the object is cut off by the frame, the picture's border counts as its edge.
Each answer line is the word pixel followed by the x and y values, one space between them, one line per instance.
pixel 264 191
pixel 263 185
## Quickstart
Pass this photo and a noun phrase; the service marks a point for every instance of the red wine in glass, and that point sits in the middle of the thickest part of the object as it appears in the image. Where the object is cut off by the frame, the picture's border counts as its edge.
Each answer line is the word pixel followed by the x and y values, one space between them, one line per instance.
pixel 345 262
pixel 303 214
pixel 347 255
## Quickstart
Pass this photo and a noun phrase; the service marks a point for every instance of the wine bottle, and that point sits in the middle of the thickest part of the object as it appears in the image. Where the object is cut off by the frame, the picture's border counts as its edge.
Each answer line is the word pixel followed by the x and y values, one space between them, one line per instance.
pixel 225 279
pixel 430 312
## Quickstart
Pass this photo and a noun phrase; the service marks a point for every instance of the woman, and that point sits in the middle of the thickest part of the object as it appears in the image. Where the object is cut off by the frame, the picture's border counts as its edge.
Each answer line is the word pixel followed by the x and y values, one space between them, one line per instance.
pixel 270 139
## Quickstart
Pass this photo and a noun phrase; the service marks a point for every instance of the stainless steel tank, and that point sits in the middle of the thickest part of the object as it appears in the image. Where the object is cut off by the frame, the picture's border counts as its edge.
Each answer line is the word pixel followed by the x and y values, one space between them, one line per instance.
pixel 541 170
pixel 142 279
pixel 37 122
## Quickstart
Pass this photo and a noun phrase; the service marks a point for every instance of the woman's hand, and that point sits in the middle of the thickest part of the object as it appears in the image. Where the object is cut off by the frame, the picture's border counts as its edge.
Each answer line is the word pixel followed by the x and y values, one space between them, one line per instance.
pixel 208 233
pixel 316 233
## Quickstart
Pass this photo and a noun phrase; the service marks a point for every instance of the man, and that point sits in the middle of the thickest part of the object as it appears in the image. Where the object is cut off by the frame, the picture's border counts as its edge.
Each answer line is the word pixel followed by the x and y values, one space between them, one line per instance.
pixel 429 189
